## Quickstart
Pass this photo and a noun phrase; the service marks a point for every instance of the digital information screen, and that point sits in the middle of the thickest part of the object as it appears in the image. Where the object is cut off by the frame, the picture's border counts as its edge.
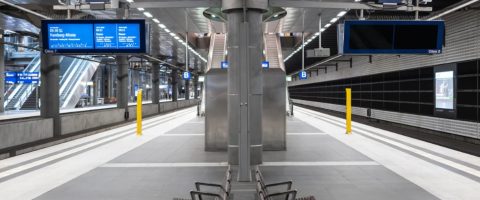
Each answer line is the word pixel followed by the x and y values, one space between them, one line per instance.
pixel 392 37
pixel 22 77
pixel 444 90
pixel 94 36
pixel 10 77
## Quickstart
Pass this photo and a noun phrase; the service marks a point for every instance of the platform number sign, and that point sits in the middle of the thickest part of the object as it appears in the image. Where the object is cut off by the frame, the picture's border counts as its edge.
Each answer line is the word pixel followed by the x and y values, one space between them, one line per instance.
pixel 224 65
pixel 303 75
pixel 187 76
pixel 265 64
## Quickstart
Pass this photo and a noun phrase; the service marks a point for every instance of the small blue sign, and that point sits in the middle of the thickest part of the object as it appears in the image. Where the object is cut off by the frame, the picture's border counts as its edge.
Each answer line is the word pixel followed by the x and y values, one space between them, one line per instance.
pixel 187 76
pixel 10 77
pixel 303 75
pixel 265 64
pixel 28 77
pixel 22 77
pixel 224 65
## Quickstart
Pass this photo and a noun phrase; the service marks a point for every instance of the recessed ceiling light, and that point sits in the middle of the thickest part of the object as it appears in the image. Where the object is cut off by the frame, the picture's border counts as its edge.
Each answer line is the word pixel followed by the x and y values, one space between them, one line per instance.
pixel 147 14
pixel 140 9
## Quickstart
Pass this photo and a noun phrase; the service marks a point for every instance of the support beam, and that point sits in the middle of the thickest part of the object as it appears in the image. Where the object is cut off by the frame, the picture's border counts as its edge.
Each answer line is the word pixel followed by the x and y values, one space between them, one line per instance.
pixel 50 90
pixel 155 83
pixel 187 89
pixel 195 87
pixel 2 74
pixel 342 5
pixel 178 4
pixel 174 76
pixel 122 84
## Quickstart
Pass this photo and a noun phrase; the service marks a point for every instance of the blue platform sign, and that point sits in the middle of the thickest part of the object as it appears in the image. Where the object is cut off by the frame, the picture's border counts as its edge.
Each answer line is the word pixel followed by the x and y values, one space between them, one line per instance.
pixel 224 65
pixel 187 76
pixel 303 75
pixel 22 77
pixel 28 77
pixel 10 77
pixel 265 64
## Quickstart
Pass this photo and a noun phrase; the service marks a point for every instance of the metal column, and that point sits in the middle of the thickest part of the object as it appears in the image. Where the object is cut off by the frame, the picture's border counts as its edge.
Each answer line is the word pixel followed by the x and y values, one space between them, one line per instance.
pixel 122 84
pixel 122 71
pixel 50 90
pixel 155 83
pixel 245 83
pixel 195 87
pixel 187 89
pixel 174 76
pixel 2 74
pixel 96 86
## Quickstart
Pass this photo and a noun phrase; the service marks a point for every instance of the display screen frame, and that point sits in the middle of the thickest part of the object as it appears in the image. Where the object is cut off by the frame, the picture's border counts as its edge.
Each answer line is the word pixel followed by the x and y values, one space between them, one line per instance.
pixel 440 111
pixel 143 35
pixel 346 48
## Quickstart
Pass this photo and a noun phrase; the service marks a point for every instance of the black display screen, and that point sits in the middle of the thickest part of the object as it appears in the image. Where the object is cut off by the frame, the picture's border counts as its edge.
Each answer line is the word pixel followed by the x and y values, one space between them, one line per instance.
pixel 392 37
pixel 416 37
pixel 371 37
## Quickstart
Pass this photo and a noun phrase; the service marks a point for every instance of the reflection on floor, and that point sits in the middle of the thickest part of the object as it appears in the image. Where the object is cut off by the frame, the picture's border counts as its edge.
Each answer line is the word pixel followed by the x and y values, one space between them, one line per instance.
pixel 321 160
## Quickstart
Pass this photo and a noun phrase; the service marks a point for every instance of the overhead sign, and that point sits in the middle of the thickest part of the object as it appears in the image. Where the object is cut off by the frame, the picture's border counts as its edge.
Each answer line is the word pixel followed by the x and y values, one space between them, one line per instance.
pixel 187 76
pixel 265 64
pixel 303 75
pixel 22 77
pixel 224 65
pixel 94 36
pixel 391 37
pixel 10 77
pixel 28 77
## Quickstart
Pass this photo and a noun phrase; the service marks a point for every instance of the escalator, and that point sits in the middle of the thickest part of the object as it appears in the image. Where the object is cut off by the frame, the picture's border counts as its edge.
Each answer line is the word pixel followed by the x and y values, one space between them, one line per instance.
pixel 73 72
pixel 216 54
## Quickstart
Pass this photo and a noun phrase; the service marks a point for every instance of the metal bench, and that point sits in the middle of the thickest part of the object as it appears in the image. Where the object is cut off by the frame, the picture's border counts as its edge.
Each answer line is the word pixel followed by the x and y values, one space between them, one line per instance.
pixel 265 194
pixel 223 190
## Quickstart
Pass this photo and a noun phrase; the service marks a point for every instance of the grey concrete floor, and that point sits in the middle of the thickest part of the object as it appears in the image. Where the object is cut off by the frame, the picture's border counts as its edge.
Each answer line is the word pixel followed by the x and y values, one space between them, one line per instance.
pixel 353 182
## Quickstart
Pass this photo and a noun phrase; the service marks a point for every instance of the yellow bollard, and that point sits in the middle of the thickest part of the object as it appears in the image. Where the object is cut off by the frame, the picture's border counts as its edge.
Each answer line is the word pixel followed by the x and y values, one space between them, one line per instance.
pixel 348 96
pixel 139 113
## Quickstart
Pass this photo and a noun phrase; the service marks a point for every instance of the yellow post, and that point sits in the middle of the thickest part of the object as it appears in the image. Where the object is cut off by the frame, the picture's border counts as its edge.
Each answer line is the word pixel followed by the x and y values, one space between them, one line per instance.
pixel 348 96
pixel 139 113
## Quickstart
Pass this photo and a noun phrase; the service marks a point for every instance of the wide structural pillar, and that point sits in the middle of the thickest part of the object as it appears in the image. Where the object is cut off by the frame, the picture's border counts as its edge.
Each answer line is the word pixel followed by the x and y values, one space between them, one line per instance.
pixel 2 74
pixel 174 75
pixel 155 83
pixel 122 84
pixel 245 83
pixel 187 89
pixel 50 90
pixel 195 87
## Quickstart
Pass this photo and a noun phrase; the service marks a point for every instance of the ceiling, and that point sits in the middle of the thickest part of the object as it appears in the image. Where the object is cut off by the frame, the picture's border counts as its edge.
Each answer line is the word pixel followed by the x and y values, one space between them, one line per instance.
pixel 182 20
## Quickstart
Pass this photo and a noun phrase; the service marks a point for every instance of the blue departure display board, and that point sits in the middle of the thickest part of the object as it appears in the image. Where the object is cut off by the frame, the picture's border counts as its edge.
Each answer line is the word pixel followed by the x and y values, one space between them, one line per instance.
pixel 117 36
pixel 94 36
pixel 68 36
pixel 10 77
pixel 22 77
pixel 28 77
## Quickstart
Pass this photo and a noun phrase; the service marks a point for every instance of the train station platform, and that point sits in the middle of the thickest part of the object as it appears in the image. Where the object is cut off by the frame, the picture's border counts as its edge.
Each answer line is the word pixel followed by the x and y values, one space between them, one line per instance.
pixel 169 157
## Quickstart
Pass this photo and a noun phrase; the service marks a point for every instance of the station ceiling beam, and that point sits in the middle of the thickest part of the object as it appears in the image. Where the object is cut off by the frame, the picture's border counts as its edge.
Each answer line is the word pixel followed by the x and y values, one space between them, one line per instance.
pixel 178 4
pixel 343 5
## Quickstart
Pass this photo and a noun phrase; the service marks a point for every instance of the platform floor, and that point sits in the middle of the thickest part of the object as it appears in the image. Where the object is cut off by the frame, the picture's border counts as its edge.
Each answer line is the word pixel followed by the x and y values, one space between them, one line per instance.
pixel 322 160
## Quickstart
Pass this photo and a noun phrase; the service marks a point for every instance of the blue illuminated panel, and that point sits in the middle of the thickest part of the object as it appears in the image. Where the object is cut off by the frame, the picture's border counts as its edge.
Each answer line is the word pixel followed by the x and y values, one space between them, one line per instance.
pixel 106 36
pixel 28 77
pixel 117 36
pixel 10 77
pixel 70 36
pixel 128 36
